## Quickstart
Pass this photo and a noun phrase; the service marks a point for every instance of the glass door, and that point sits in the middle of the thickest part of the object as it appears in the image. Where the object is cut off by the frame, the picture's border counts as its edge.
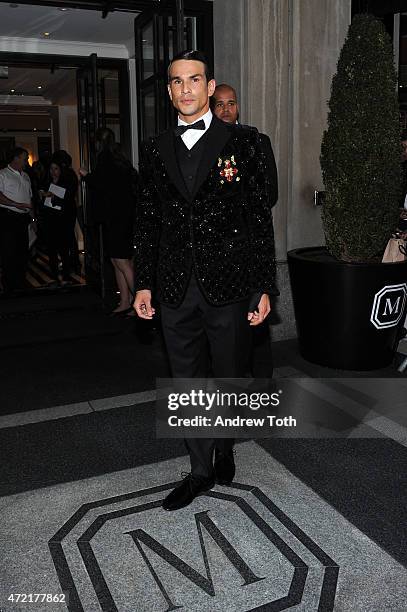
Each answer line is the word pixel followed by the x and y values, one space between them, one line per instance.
pixel 151 103
pixel 88 123
pixel 103 101
pixel 161 33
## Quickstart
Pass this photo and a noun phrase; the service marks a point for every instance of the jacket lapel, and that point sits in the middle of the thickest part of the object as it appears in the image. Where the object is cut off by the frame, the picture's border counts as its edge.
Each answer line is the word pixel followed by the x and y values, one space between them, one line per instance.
pixel 166 146
pixel 216 138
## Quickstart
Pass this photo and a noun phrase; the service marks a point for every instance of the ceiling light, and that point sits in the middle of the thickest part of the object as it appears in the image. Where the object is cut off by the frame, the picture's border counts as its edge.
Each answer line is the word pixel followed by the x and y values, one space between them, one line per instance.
pixel 39 87
pixel 62 9
pixel 12 90
pixel 35 129
pixel 49 129
pixel 46 34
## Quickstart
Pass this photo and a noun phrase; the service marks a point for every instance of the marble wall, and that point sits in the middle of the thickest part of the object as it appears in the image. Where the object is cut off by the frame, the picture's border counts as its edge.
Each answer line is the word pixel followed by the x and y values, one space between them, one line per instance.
pixel 229 43
pixel 268 86
pixel 280 55
pixel 318 32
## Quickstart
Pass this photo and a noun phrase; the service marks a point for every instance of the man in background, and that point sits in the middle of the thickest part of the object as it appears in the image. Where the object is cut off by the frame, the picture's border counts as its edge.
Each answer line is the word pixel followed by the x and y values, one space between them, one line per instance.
pixel 15 207
pixel 225 106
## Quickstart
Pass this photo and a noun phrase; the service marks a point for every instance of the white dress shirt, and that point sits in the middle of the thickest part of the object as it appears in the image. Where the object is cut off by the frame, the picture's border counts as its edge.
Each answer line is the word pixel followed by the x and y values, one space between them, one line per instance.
pixel 191 137
pixel 16 186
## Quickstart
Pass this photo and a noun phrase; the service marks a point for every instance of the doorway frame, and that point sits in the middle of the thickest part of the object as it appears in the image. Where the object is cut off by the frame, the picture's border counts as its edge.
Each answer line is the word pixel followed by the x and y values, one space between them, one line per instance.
pixel 44 60
pixel 200 8
pixel 77 62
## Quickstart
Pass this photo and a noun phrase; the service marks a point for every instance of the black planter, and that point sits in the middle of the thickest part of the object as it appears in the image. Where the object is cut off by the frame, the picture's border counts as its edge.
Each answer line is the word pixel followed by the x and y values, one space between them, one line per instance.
pixel 348 315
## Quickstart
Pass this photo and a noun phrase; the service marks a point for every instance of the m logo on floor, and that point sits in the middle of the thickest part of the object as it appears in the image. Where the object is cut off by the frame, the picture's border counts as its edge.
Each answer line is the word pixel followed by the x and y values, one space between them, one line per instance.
pixel 203 582
pixel 232 549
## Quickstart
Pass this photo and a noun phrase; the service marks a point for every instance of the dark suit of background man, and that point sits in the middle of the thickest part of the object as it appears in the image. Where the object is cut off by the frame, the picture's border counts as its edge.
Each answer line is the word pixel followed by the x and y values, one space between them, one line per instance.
pixel 225 106
pixel 205 245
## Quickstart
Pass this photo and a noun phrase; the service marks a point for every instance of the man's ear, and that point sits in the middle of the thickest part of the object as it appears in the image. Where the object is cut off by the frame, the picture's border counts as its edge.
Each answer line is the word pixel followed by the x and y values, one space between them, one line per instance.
pixel 169 91
pixel 211 87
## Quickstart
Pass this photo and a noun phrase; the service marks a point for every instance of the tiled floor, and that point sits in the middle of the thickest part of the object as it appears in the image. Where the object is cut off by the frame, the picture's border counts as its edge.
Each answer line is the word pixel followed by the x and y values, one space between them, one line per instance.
pixel 39 274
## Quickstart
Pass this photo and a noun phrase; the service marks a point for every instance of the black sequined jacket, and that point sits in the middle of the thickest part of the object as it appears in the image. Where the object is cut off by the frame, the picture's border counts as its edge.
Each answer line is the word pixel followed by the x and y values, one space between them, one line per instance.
pixel 224 228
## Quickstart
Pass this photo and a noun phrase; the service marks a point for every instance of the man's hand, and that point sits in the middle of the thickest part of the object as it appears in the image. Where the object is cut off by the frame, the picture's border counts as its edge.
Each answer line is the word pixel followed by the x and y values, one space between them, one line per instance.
pixel 262 311
pixel 83 172
pixel 22 206
pixel 142 304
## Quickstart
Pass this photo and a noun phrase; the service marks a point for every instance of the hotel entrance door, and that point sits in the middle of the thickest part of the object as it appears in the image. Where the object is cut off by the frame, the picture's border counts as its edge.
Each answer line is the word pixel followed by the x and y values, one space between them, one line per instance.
pixel 103 101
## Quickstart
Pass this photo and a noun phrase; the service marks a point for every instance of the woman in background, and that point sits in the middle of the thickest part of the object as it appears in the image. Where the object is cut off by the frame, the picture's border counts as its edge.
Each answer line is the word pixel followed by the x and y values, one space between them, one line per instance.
pixel 66 163
pixel 114 183
pixel 58 218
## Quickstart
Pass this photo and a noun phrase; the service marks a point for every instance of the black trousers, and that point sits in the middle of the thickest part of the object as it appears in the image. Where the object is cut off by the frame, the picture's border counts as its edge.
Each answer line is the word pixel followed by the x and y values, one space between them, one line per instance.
pixel 202 339
pixel 13 248
pixel 58 232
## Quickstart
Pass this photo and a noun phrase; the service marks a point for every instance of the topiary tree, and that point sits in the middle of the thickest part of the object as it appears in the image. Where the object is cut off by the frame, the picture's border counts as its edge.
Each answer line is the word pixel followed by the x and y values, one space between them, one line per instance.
pixel 360 154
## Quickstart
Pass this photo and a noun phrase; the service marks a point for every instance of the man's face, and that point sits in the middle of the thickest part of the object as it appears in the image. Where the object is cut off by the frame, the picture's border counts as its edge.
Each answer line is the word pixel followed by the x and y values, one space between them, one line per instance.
pixel 404 150
pixel 189 90
pixel 20 162
pixel 225 105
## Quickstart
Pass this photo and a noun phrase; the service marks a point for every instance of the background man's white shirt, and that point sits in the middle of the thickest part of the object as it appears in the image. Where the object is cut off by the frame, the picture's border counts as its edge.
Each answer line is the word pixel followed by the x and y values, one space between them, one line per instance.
pixel 17 187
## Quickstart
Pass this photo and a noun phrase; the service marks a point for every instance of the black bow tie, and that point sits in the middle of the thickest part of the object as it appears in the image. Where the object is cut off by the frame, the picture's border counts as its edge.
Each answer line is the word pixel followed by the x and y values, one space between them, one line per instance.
pixel 199 125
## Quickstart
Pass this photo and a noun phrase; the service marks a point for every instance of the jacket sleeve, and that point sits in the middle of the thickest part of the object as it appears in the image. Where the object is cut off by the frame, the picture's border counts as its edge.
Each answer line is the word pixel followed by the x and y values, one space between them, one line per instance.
pixel 271 168
pixel 147 225
pixel 260 219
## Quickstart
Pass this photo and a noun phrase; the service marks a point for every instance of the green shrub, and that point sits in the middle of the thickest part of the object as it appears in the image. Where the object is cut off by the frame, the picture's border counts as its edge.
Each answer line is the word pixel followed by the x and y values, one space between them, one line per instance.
pixel 360 154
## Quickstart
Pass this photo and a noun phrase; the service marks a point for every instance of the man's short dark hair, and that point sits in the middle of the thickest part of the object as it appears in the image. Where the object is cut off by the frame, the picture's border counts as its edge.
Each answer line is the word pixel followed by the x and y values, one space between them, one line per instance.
pixel 16 152
pixel 196 56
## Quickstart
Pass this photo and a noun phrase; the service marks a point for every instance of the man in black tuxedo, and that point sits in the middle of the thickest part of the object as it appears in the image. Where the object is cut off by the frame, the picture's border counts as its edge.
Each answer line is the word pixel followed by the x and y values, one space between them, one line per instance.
pixel 225 106
pixel 205 246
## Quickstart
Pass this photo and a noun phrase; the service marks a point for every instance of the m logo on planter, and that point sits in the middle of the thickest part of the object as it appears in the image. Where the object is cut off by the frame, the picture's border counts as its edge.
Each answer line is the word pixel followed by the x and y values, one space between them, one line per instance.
pixel 388 306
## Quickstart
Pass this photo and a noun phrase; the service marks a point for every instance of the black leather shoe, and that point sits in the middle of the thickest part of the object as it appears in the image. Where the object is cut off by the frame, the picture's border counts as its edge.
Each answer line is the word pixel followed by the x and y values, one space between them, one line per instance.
pixel 224 467
pixel 186 492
